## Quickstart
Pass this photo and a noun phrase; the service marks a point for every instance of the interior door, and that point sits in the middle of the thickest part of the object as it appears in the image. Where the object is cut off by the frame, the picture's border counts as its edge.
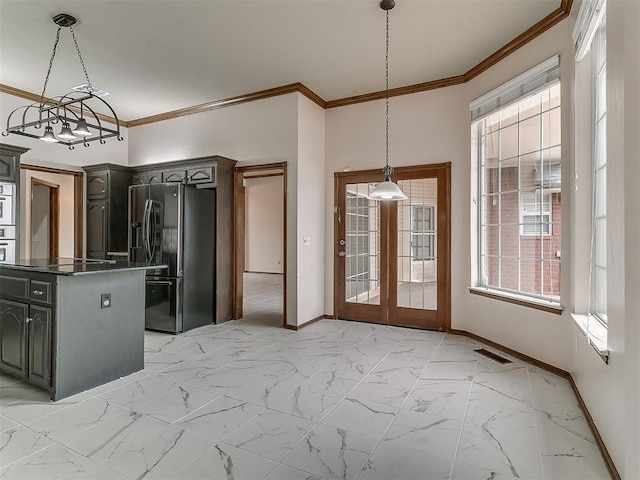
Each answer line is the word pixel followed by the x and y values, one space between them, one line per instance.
pixel 392 259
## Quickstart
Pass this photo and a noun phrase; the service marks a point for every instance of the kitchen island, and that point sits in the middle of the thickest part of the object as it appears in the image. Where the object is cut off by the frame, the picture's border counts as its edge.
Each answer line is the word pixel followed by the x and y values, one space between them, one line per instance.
pixel 68 325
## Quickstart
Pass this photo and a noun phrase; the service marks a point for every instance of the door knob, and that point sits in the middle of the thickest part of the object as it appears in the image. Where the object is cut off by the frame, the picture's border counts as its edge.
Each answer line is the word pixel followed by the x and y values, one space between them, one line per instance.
pixel 342 253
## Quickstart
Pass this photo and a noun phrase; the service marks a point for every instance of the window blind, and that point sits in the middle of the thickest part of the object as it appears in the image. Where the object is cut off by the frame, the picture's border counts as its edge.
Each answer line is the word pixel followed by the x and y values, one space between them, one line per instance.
pixel 589 18
pixel 528 83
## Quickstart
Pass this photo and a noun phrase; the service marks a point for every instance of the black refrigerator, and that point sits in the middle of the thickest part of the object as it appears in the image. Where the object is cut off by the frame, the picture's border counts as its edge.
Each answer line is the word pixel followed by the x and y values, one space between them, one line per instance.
pixel 174 224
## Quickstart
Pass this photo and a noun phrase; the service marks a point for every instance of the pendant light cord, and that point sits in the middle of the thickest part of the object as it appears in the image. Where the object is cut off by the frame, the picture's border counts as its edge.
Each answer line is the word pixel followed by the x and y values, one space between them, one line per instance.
pixel 386 95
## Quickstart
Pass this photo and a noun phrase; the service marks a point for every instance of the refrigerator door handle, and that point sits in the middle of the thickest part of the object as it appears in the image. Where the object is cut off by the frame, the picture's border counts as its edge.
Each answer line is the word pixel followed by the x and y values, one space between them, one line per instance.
pixel 152 230
pixel 145 231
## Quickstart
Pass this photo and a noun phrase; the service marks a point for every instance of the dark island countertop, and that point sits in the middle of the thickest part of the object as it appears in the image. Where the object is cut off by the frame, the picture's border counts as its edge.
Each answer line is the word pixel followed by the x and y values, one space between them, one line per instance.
pixel 75 266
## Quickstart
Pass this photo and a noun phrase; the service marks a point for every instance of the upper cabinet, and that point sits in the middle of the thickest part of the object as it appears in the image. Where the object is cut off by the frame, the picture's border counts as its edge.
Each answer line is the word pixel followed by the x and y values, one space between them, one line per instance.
pixel 10 162
pixel 98 185
pixel 107 200
pixel 198 171
pixel 146 178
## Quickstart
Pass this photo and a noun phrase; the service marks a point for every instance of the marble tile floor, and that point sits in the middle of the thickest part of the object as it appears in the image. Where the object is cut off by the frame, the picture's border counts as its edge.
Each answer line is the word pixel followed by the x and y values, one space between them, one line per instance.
pixel 335 400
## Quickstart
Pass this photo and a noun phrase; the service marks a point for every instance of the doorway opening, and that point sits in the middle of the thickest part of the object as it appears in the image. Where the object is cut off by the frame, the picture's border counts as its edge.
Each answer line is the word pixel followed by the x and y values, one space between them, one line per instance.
pixel 68 185
pixel 260 243
pixel 45 218
pixel 392 260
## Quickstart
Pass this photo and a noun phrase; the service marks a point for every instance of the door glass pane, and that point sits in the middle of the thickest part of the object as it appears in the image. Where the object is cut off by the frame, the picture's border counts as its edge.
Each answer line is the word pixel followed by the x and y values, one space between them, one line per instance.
pixel 362 248
pixel 417 244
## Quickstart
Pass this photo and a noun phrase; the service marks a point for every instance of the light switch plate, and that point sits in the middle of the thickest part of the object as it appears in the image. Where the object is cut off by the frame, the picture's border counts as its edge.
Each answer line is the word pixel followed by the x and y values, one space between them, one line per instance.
pixel 306 241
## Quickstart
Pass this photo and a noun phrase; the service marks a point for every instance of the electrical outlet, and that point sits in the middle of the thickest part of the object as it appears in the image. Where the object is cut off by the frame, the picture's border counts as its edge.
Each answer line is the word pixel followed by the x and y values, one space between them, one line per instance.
pixel 105 300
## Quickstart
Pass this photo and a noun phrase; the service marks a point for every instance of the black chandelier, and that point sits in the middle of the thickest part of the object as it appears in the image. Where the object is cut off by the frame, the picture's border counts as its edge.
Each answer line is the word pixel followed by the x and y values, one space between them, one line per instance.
pixel 76 108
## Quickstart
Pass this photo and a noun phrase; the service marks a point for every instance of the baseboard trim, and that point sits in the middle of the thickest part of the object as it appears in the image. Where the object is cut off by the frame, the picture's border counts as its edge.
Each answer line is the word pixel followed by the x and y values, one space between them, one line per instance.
pixel 562 373
pixel 265 273
pixel 596 434
pixel 313 320
pixel 514 353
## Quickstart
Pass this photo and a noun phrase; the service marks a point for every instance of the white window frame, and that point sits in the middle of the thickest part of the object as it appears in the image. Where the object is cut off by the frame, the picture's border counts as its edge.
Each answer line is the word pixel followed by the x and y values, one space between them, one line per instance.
pixel 545 225
pixel 429 231
pixel 537 79
pixel 598 290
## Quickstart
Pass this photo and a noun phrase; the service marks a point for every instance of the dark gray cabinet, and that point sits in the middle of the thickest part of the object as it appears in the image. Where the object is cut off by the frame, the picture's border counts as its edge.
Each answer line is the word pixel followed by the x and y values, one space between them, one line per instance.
pixel 97 229
pixel 39 325
pixel 13 337
pixel 26 322
pixel 98 186
pixel 107 210
pixel 174 176
pixel 10 162
pixel 199 175
pixel 146 178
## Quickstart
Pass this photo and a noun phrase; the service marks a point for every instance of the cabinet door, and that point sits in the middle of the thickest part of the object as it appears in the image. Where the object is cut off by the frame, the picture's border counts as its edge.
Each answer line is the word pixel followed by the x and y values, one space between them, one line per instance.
pixel 39 328
pixel 155 177
pixel 174 176
pixel 98 186
pixel 13 337
pixel 201 175
pixel 97 216
pixel 7 167
pixel 142 179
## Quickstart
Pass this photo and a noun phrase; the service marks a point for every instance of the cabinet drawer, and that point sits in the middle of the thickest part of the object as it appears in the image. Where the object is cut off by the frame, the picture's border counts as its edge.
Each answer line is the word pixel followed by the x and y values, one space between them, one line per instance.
pixel 14 287
pixel 174 176
pixel 40 291
pixel 201 175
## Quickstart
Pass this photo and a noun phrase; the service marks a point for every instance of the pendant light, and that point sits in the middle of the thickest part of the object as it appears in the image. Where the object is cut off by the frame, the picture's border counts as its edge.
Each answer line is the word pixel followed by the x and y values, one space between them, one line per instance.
pixel 387 190
pixel 75 108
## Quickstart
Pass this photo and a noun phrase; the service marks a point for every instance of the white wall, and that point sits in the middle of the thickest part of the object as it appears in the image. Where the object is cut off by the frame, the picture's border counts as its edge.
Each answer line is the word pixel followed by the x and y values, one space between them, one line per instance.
pixel 310 210
pixel 541 335
pixel 264 224
pixel 66 212
pixel 612 392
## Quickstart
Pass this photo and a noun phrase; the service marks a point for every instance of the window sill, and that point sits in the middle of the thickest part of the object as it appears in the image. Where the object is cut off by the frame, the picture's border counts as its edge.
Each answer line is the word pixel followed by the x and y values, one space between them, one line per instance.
pixel 595 332
pixel 517 300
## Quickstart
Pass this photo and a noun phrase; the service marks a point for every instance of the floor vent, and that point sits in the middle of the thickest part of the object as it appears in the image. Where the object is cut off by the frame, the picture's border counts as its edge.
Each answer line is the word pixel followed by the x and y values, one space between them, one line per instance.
pixel 492 356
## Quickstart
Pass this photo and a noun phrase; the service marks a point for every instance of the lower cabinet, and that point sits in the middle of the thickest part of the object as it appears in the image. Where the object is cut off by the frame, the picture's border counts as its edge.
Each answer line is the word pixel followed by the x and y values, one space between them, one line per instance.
pixel 97 229
pixel 13 337
pixel 25 341
pixel 39 346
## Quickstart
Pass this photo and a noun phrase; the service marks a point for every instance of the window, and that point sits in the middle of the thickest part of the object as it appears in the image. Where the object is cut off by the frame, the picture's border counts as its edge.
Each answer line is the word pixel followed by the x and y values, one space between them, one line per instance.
pixel 532 206
pixel 517 127
pixel 598 300
pixel 590 276
pixel 423 234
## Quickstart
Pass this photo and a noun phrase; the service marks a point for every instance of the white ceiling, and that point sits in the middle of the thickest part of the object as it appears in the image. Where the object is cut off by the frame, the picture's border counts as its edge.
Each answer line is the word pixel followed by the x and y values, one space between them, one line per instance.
pixel 155 56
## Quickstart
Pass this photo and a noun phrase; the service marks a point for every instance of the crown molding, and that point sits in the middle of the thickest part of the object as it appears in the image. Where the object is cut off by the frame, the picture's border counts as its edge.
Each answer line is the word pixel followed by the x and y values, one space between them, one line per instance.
pixel 534 31
pixel 542 26
pixel 228 102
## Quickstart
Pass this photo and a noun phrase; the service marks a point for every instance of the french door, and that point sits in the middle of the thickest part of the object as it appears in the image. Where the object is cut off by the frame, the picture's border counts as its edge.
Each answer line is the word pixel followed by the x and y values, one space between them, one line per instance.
pixel 392 259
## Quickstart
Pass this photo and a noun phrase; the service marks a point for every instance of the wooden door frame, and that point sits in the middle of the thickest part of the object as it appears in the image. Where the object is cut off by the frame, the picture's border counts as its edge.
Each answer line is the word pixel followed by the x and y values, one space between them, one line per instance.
pixel 239 234
pixel 54 214
pixel 78 202
pixel 443 173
